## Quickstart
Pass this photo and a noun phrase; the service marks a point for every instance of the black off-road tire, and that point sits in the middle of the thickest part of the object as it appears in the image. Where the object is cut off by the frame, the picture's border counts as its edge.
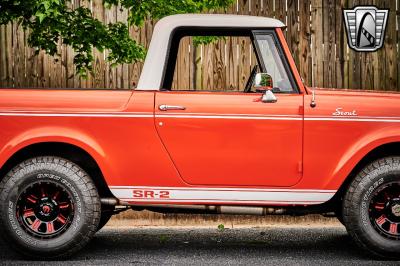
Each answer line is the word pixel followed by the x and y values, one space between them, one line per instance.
pixel 357 208
pixel 70 179
pixel 105 217
pixel 339 216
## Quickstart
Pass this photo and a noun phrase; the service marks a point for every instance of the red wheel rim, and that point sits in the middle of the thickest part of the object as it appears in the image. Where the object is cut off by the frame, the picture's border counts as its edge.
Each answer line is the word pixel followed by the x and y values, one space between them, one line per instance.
pixel 45 210
pixel 384 210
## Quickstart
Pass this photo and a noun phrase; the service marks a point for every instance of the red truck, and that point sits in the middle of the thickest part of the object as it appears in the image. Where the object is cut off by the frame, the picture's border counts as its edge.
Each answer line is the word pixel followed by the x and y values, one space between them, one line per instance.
pixel 71 158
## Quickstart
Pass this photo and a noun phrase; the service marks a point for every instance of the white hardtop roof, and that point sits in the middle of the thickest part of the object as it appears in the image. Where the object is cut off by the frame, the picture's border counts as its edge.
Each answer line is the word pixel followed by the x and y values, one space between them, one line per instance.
pixel 153 69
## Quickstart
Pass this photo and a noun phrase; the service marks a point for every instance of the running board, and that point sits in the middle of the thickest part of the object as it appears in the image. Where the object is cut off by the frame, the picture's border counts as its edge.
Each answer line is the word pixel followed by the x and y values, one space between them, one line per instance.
pixel 220 209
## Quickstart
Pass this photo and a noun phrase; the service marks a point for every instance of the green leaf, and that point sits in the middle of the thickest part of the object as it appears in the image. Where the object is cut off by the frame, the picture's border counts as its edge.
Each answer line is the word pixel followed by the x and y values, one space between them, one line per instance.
pixel 221 227
pixel 46 5
pixel 49 21
pixel 40 16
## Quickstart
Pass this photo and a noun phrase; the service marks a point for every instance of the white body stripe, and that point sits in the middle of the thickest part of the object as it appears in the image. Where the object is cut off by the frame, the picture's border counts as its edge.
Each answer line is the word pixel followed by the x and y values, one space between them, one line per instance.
pixel 352 119
pixel 35 114
pixel 228 195
pixel 238 117
pixel 206 116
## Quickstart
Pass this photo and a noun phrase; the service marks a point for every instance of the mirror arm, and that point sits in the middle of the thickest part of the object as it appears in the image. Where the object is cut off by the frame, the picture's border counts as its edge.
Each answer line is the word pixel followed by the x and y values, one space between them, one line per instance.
pixel 269 97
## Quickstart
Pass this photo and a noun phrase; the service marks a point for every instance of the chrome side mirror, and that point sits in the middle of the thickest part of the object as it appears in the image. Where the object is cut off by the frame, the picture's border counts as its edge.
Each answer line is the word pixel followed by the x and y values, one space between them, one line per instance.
pixel 263 81
pixel 269 97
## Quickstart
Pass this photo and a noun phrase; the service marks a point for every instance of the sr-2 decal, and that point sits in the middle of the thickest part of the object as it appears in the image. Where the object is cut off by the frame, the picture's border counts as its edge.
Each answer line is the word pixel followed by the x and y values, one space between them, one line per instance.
pixel 215 195
pixel 150 194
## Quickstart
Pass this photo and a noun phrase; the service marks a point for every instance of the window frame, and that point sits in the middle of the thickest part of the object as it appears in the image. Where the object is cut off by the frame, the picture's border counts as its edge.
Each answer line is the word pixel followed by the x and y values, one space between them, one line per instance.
pixel 184 31
pixel 281 54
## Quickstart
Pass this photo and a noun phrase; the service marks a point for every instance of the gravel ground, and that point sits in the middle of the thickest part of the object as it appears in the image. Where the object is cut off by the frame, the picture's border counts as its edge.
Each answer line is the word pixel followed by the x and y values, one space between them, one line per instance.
pixel 278 245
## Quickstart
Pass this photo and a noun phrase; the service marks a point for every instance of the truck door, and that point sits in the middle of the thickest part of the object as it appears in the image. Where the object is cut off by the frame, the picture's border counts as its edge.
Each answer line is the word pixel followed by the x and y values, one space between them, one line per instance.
pixel 233 138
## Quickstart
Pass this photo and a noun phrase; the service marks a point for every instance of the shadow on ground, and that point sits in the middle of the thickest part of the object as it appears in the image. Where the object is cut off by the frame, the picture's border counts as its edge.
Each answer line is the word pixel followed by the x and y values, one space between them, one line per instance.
pixel 247 246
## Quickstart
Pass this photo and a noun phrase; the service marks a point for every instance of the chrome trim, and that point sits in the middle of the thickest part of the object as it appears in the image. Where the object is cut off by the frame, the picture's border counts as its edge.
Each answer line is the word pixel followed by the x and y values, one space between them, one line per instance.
pixel 165 107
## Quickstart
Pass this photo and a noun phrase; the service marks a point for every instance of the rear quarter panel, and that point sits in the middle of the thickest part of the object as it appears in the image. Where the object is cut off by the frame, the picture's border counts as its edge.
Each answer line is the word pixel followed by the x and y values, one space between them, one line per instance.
pixel 334 144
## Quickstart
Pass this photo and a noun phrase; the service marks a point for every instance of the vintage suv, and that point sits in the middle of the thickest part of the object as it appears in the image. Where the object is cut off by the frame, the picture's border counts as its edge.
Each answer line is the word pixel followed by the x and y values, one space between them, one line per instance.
pixel 70 159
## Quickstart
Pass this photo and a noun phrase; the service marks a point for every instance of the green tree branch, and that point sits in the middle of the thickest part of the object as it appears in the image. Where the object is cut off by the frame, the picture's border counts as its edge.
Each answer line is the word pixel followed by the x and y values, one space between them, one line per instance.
pixel 52 21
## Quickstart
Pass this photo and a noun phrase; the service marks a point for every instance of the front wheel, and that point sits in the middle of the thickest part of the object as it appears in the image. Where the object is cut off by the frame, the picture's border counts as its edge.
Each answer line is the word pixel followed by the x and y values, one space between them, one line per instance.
pixel 371 208
pixel 49 208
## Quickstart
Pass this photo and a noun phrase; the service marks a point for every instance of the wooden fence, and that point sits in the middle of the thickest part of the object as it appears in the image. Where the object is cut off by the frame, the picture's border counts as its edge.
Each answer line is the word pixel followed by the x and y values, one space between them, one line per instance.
pixel 315 33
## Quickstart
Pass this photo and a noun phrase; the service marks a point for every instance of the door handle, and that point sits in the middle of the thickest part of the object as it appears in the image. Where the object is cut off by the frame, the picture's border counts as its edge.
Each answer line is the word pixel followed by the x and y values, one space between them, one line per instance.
pixel 164 107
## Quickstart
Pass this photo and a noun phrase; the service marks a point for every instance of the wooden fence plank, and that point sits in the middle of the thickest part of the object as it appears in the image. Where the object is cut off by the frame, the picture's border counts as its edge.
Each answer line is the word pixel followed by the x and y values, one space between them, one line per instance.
pixel 244 61
pixel 192 65
pixel 397 41
pixel 86 82
pixel 380 71
pixel 134 69
pixel 99 64
pixel 207 67
pixel 317 43
pixel 304 50
pixel 56 69
pixel 3 56
pixel 268 8
pixel 110 73
pixel 122 70
pixel 255 10
pixel 219 64
pixel 293 29
pixel 19 53
pixel 31 65
pixel 341 45
pixel 71 70
pixel 183 64
pixel 10 55
pixel 280 12
pixel 391 47
pixel 231 59
pixel 244 50
pixel 329 24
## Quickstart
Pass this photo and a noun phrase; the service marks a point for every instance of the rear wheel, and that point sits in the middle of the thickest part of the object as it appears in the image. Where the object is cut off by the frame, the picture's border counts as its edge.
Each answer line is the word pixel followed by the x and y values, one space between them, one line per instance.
pixel 371 208
pixel 49 208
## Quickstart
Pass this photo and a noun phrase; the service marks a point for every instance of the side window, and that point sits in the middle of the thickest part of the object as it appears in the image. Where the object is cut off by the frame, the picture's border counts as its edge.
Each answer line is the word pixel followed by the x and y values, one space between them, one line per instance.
pixel 272 62
pixel 214 63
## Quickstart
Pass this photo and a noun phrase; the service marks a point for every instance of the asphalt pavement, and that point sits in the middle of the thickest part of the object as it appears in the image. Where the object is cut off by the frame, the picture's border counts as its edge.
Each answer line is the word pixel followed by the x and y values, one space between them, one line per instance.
pixel 209 246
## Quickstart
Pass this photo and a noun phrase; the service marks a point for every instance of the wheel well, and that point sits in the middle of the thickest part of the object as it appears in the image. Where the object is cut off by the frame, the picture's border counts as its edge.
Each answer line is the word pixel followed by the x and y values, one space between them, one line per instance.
pixel 386 150
pixel 66 151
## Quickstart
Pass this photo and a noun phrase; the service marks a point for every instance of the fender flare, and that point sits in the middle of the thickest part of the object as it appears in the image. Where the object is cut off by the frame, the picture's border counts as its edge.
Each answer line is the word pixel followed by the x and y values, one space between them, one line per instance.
pixel 65 135
pixel 359 150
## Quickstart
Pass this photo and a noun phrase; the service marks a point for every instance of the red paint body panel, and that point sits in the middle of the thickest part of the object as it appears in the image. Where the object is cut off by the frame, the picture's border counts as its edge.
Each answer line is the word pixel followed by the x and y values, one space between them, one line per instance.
pixel 124 147
pixel 233 139
pixel 333 147
pixel 47 100
pixel 127 141
pixel 282 153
